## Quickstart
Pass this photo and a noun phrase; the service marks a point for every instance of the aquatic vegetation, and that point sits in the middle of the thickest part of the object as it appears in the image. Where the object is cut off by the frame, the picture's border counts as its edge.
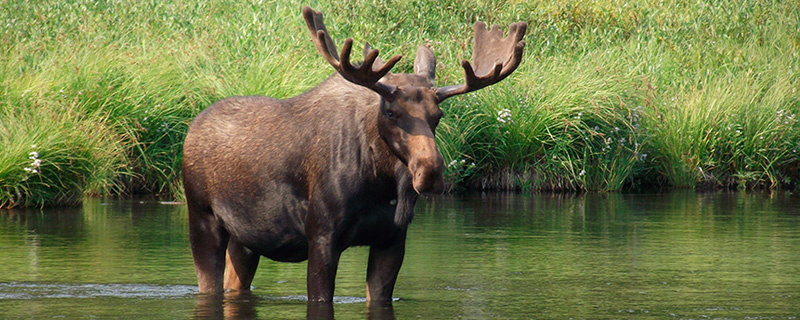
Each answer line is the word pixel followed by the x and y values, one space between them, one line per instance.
pixel 610 95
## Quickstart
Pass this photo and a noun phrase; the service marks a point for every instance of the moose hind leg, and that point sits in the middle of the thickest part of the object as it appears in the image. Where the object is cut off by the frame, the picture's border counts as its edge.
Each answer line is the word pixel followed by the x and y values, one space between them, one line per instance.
pixel 383 267
pixel 208 240
pixel 240 267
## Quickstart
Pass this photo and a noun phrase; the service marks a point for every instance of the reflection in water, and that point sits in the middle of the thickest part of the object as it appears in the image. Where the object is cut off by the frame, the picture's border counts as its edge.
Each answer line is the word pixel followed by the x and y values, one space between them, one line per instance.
pixel 229 305
pixel 597 256
pixel 244 305
pixel 319 311
pixel 380 311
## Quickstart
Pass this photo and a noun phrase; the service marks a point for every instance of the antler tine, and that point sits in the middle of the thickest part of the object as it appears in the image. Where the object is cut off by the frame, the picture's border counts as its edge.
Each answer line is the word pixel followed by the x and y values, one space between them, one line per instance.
pixel 366 74
pixel 495 58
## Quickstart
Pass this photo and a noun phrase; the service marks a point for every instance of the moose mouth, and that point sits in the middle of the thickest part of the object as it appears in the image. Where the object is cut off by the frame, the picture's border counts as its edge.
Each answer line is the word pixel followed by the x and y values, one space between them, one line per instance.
pixel 428 183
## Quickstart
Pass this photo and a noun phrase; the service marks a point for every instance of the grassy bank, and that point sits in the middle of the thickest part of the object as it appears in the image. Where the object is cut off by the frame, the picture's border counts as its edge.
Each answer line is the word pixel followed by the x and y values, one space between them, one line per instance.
pixel 610 95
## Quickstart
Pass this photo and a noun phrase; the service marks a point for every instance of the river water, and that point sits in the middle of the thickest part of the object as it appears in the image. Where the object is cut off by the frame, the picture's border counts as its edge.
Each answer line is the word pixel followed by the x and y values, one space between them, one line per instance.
pixel 679 255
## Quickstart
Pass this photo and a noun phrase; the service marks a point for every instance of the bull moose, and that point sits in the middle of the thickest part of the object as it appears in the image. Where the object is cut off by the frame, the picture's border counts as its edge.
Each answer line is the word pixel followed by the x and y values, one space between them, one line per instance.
pixel 337 166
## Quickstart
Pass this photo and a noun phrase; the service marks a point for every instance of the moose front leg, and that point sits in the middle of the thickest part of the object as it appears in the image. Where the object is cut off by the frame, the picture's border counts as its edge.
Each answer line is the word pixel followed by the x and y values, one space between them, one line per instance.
pixel 323 260
pixel 383 267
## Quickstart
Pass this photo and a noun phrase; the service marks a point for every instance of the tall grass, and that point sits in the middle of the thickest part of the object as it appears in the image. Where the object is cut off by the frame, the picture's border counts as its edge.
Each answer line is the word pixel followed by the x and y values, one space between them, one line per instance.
pixel 575 126
pixel 727 111
pixel 55 157
pixel 695 94
pixel 611 94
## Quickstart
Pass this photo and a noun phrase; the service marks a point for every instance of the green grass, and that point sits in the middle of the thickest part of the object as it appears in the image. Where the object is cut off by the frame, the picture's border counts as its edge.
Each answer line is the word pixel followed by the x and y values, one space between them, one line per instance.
pixel 610 95
pixel 55 157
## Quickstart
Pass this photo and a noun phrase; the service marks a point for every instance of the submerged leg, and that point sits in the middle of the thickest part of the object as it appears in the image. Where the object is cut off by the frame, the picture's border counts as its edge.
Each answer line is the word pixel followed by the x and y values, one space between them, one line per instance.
pixel 380 310
pixel 383 267
pixel 208 240
pixel 319 311
pixel 240 267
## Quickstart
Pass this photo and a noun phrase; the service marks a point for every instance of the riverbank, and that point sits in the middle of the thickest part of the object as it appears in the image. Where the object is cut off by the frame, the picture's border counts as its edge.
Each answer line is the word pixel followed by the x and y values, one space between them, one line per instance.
pixel 95 97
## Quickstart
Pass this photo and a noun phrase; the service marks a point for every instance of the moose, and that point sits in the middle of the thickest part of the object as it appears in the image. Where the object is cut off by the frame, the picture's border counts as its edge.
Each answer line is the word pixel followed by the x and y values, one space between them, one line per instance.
pixel 340 165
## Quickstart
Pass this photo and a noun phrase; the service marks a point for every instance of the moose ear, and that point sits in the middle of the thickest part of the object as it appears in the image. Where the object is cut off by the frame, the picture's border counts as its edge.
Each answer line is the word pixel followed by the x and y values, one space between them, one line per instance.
pixel 425 63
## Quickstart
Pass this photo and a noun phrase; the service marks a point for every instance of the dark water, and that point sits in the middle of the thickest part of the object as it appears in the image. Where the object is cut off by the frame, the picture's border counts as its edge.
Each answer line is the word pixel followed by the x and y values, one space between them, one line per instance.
pixel 597 256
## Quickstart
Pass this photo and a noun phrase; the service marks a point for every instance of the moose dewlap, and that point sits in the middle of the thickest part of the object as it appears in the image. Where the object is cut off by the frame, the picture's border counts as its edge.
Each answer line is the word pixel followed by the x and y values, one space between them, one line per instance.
pixel 340 165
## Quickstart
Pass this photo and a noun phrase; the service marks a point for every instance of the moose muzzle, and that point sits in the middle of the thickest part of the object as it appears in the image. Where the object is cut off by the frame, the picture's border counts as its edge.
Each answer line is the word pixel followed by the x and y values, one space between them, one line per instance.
pixel 426 166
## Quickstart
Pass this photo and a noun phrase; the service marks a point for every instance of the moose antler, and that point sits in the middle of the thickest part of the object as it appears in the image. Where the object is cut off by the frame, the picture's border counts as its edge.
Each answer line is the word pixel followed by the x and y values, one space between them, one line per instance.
pixel 365 74
pixel 494 57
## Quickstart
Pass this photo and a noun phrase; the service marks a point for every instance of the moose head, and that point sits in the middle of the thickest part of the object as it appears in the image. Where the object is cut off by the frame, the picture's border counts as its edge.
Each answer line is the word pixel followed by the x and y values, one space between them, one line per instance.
pixel 409 105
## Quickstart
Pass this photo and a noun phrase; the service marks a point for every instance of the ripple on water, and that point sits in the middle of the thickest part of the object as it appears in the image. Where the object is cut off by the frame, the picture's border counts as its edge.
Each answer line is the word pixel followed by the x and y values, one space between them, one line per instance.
pixel 336 299
pixel 25 290
pixel 29 290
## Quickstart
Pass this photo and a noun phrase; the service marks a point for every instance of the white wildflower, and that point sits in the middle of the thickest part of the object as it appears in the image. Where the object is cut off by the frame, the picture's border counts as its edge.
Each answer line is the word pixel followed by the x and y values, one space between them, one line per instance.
pixel 504 116
pixel 456 163
pixel 34 166
pixel 583 172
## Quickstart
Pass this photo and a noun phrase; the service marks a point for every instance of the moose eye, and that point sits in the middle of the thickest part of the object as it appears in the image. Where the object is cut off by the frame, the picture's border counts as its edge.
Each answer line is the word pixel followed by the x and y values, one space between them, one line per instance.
pixel 390 114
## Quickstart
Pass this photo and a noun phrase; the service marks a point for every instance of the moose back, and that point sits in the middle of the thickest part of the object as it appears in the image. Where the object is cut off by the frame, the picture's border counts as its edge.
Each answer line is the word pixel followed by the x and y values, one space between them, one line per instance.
pixel 340 165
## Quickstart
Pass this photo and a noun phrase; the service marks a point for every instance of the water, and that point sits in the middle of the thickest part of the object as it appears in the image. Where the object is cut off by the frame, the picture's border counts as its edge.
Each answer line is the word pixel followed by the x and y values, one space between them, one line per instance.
pixel 499 256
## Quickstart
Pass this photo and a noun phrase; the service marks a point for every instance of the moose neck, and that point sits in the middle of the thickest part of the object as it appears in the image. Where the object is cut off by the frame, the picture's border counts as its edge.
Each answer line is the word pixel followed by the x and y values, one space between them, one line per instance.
pixel 354 120
pixel 388 167
pixel 355 116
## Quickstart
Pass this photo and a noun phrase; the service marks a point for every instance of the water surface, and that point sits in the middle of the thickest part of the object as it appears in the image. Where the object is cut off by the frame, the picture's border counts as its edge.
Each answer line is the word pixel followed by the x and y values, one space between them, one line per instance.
pixel 495 256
